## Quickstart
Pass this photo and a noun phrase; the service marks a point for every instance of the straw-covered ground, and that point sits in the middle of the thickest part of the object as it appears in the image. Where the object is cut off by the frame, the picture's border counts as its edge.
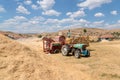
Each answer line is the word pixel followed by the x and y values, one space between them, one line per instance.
pixel 24 60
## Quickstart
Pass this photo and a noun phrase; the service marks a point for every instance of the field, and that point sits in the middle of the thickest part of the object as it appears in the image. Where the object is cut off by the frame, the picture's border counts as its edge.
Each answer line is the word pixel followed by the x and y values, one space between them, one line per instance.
pixel 25 60
pixel 102 65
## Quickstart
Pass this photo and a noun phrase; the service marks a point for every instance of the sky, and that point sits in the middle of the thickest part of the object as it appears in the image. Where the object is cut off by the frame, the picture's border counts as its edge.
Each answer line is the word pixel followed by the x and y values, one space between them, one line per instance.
pixel 37 16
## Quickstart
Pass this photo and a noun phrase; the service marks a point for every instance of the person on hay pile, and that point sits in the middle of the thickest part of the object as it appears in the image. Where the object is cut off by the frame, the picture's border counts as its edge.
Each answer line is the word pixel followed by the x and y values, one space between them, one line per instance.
pixel 69 34
pixel 69 39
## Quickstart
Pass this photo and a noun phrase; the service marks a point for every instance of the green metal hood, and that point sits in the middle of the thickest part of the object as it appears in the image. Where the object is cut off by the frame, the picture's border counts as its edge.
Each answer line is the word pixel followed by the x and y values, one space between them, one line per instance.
pixel 80 46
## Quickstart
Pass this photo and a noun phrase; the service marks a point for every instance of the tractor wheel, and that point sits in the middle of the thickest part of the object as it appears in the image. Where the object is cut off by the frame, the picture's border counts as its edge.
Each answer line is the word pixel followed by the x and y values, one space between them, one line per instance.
pixel 65 50
pixel 77 53
pixel 56 51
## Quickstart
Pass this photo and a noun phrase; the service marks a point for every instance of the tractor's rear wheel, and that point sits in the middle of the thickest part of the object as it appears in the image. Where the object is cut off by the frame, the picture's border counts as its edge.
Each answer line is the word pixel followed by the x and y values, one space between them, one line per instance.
pixel 65 50
pixel 77 53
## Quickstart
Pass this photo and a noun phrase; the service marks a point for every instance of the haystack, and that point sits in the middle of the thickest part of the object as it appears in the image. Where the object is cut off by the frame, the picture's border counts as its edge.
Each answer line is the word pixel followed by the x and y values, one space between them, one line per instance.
pixel 19 62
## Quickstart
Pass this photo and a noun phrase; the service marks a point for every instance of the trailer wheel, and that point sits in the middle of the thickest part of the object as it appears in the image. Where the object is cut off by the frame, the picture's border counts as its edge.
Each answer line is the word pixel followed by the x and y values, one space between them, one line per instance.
pixel 77 53
pixel 65 50
pixel 56 51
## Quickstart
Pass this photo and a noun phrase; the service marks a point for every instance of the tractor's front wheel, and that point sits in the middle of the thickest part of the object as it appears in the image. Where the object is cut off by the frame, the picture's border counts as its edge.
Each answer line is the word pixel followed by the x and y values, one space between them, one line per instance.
pixel 65 50
pixel 88 55
pixel 77 53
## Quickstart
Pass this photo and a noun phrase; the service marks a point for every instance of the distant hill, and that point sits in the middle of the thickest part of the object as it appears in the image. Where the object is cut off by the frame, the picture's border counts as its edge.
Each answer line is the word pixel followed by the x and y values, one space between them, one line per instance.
pixel 14 35
pixel 89 31
pixel 74 31
pixel 115 30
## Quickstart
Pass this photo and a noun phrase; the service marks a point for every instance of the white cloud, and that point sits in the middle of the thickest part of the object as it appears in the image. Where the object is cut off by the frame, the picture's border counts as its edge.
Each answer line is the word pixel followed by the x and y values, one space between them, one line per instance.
pixel 40 24
pixel 2 9
pixel 98 22
pixel 113 26
pixel 20 18
pixel 35 7
pixel 83 21
pixel 73 23
pixel 23 25
pixel 28 2
pixel 36 20
pixel 114 12
pixel 51 21
pixel 14 23
pixel 51 13
pixel 22 9
pixel 67 21
pixel 15 20
pixel 91 4
pixel 46 4
pixel 99 14
pixel 118 21
pixel 79 13
pixel 54 24
pixel 68 13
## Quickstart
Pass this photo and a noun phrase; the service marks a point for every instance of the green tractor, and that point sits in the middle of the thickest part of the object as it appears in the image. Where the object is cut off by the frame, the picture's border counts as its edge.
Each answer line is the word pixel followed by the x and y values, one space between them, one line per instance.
pixel 77 50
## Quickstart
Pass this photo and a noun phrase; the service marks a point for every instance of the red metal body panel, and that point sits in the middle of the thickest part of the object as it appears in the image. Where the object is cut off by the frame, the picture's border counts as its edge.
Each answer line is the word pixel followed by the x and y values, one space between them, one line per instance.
pixel 51 45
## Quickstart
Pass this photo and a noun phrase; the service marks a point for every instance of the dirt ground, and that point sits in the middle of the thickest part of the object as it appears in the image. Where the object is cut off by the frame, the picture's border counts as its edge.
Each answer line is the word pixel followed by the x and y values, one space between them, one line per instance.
pixel 24 59
pixel 104 63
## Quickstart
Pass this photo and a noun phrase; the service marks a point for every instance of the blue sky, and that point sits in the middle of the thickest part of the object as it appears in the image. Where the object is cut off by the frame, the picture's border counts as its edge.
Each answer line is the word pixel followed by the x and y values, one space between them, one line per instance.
pixel 36 16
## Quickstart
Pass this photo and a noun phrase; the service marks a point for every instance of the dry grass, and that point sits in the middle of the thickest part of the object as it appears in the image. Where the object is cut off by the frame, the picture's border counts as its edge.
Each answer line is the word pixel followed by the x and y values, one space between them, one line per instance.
pixel 24 60
pixel 102 65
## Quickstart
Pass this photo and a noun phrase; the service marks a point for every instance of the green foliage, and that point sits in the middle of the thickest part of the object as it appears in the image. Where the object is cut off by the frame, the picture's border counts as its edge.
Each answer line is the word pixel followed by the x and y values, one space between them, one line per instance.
pixel 20 34
pixel 104 74
pixel 116 35
pixel 110 75
pixel 39 36
pixel 115 76
pixel 84 30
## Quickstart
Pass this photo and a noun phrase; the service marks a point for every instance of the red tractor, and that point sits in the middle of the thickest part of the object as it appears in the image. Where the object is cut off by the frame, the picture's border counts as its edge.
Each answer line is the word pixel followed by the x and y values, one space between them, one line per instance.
pixel 53 45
